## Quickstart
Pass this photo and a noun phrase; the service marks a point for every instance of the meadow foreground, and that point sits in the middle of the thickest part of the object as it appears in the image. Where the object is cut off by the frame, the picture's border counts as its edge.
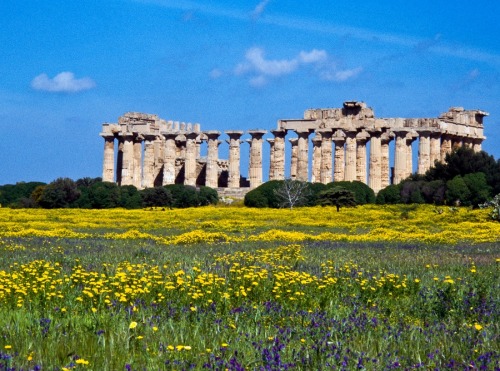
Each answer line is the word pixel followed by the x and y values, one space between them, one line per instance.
pixel 231 288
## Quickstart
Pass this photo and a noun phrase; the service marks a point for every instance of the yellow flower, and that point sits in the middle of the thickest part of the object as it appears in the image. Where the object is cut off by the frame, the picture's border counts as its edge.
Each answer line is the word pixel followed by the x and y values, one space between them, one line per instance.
pixel 478 327
pixel 8 347
pixel 155 328
pixel 224 345
pixel 94 310
pixel 139 337
pixel 81 361
pixel 417 280
pixel 132 325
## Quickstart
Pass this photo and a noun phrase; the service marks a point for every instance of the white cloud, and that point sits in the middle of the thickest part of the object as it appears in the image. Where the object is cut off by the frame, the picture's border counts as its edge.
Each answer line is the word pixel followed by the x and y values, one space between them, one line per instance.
pixel 259 9
pixel 63 82
pixel 256 62
pixel 340 75
pixel 260 70
pixel 313 56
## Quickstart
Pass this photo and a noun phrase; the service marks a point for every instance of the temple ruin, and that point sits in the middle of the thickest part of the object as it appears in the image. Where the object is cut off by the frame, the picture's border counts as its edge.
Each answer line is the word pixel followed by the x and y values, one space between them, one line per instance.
pixel 154 152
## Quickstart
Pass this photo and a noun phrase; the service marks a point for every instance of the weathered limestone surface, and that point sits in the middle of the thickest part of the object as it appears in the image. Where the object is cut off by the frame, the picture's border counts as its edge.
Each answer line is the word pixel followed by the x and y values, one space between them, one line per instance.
pixel 316 163
pixel 303 156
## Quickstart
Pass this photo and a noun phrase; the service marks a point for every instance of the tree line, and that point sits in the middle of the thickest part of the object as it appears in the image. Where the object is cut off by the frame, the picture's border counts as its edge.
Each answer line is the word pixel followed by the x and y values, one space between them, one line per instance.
pixel 466 178
pixel 93 193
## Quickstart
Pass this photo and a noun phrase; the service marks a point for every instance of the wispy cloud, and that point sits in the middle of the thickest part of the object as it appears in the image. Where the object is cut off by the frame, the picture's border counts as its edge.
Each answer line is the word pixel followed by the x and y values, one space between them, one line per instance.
pixel 437 46
pixel 260 69
pixel 259 9
pixel 64 82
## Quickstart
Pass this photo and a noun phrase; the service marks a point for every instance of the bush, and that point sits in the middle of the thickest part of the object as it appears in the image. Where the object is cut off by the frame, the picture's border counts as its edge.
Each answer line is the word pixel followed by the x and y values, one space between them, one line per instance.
pixel 187 196
pixel 60 193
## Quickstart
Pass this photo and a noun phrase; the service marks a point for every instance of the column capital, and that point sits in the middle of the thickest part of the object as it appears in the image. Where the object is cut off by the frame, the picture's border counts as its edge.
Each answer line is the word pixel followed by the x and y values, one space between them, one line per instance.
pixel 234 134
pixel 257 133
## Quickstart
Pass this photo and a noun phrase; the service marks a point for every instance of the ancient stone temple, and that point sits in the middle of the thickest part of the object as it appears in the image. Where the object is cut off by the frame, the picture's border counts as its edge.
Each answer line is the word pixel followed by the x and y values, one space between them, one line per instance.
pixel 347 143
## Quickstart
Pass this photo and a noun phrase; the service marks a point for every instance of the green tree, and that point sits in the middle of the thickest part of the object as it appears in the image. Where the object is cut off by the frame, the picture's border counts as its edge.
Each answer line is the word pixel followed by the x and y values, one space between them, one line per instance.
pixel 19 194
pixel 104 195
pixel 338 197
pixel 130 197
pixel 157 196
pixel 60 193
pixel 457 191
pixel 479 189
pixel 362 193
pixel 207 196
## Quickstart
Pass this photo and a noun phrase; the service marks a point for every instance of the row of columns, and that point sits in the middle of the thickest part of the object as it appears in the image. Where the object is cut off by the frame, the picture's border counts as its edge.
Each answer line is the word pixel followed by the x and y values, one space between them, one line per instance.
pixel 162 154
pixel 350 154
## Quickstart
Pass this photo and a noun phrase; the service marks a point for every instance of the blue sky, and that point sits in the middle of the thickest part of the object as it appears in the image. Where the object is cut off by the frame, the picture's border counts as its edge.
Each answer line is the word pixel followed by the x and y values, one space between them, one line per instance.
pixel 68 66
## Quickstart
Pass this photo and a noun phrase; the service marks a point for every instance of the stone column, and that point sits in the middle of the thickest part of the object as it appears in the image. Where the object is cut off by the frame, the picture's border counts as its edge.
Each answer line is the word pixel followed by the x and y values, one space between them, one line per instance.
pixel 127 173
pixel 108 166
pixel 361 140
pixel 410 138
pixel 435 145
pixel 375 168
pixel 326 156
pixel 339 162
pixel 424 152
pixel 159 151
pixel 476 144
pixel 303 156
pixel 211 177
pixel 234 158
pixel 170 155
pixel 279 154
pixel 119 161
pixel 138 161
pixel 295 156
pixel 190 162
pixel 350 156
pixel 400 156
pixel 456 142
pixel 149 161
pixel 385 173
pixel 316 161
pixel 255 166
pixel 271 158
pixel 445 147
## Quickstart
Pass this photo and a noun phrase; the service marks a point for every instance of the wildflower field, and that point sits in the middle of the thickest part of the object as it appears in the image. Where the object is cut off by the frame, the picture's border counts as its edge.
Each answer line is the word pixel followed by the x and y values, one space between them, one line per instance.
pixel 371 287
